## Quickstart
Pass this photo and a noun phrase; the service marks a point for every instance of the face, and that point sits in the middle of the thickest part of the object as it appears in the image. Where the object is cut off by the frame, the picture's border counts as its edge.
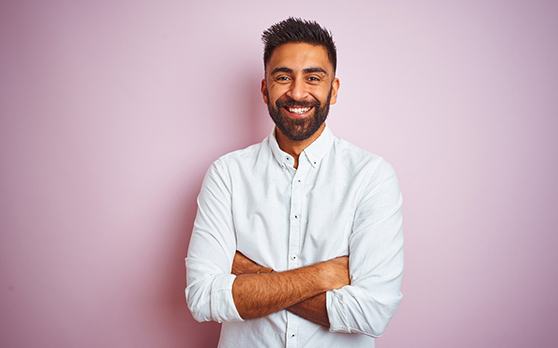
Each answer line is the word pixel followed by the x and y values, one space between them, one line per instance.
pixel 298 88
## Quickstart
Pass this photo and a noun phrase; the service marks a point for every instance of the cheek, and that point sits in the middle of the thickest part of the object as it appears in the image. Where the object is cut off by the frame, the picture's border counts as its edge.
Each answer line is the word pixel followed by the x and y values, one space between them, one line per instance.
pixel 277 90
pixel 276 96
pixel 324 94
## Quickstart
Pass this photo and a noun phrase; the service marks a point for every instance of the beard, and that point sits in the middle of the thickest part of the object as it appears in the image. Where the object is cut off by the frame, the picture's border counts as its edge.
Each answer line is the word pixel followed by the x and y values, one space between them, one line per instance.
pixel 298 129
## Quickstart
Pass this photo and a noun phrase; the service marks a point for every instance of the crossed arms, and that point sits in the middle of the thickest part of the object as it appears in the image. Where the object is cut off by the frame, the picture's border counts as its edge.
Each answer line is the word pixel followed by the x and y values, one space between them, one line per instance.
pixel 258 291
pixel 316 292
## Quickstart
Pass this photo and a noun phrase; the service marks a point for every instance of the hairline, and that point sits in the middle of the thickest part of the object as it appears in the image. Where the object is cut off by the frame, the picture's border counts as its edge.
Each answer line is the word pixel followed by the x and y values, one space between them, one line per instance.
pixel 306 42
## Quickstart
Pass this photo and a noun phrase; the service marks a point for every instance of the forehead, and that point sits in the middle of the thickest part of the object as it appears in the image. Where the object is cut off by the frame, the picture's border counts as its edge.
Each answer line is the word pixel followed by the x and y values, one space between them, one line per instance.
pixel 298 56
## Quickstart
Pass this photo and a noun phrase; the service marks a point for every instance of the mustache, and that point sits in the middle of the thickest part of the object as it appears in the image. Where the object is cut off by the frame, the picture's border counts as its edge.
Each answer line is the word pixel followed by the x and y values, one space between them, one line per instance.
pixel 289 102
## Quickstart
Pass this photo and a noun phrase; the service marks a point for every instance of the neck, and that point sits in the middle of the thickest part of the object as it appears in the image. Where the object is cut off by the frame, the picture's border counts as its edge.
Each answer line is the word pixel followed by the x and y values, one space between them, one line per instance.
pixel 294 147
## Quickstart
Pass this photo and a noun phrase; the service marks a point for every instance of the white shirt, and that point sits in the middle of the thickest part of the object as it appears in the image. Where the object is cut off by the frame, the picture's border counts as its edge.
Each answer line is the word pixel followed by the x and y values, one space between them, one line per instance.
pixel 342 200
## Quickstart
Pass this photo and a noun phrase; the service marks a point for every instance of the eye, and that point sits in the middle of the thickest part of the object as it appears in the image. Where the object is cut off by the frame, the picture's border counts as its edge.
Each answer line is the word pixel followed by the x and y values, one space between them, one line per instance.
pixel 314 79
pixel 282 78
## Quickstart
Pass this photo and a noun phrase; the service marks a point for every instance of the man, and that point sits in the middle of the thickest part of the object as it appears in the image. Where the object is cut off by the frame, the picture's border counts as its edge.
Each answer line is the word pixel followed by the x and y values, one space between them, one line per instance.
pixel 298 240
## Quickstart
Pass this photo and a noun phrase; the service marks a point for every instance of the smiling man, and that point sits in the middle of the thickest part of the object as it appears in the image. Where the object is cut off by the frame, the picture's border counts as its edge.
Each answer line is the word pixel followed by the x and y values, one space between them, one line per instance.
pixel 298 95
pixel 298 240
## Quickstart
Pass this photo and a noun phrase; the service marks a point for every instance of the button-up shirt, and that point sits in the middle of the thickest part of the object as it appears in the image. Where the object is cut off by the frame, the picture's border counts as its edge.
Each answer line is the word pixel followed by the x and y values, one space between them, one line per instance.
pixel 340 200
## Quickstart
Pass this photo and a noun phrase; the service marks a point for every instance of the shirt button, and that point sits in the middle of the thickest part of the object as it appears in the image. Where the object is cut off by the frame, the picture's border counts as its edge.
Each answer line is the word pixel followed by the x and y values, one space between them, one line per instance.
pixel 293 257
pixel 292 335
pixel 296 216
pixel 298 180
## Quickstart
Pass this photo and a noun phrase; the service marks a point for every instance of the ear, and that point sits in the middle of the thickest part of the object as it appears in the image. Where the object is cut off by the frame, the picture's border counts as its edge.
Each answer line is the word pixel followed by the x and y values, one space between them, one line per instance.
pixel 264 92
pixel 334 88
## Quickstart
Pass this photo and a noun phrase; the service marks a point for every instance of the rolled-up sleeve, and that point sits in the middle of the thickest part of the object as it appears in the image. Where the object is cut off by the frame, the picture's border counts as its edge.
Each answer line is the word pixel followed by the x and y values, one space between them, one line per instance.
pixel 210 253
pixel 375 260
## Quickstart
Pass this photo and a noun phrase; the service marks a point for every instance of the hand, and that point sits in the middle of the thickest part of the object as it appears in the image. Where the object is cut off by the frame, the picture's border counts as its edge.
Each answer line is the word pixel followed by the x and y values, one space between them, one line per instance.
pixel 244 265
pixel 336 272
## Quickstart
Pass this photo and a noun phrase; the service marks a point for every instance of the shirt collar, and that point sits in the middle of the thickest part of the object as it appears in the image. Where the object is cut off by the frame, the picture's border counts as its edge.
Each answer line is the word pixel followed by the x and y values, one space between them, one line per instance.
pixel 313 152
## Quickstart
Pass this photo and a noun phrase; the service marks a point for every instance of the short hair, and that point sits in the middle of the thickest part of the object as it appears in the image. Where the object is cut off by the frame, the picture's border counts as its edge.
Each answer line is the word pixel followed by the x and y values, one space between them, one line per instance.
pixel 298 30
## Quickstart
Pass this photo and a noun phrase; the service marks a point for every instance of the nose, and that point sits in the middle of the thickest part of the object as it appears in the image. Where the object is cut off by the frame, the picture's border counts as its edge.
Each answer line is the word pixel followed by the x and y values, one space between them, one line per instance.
pixel 297 90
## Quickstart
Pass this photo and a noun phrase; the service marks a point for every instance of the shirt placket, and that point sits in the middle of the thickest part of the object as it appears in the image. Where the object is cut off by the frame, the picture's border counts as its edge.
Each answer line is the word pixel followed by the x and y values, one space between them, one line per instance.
pixel 295 230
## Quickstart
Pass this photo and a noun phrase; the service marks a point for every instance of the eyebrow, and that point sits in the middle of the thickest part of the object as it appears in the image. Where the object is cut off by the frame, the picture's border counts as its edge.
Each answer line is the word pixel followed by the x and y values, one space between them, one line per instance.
pixel 305 70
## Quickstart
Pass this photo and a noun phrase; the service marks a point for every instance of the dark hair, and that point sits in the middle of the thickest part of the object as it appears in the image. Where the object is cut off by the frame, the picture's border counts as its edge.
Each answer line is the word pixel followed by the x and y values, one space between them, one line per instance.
pixel 298 30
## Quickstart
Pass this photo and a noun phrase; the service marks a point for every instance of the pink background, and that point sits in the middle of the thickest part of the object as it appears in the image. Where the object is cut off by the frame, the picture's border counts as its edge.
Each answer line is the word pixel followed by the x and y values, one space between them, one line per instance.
pixel 111 112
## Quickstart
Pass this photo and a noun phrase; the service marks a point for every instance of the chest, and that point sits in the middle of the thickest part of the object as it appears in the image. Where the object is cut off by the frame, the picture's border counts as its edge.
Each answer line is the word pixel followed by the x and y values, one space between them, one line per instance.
pixel 287 219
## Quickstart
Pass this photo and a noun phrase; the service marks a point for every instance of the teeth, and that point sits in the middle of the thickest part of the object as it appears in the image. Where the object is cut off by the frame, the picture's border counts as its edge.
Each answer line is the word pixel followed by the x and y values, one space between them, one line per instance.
pixel 298 110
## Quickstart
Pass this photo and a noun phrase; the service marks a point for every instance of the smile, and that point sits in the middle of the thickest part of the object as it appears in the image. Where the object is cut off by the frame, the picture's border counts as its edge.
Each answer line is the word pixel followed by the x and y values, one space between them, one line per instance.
pixel 298 111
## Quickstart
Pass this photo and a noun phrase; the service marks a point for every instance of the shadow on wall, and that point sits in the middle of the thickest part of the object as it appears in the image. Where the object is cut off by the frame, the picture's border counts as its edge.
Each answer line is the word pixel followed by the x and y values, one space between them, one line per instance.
pixel 251 112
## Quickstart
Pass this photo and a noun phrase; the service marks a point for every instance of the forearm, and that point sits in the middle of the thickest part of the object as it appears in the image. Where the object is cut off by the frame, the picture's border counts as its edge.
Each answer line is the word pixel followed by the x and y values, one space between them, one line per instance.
pixel 257 295
pixel 313 309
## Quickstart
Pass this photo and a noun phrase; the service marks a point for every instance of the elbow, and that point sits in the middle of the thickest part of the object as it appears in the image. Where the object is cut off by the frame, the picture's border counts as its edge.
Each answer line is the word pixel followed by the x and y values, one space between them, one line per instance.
pixel 363 314
pixel 198 315
pixel 379 316
pixel 198 307
pixel 376 327
pixel 210 299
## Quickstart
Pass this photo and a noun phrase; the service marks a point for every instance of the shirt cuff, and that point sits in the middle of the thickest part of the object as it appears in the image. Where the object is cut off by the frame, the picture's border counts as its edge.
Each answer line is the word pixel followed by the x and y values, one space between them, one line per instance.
pixel 334 301
pixel 222 303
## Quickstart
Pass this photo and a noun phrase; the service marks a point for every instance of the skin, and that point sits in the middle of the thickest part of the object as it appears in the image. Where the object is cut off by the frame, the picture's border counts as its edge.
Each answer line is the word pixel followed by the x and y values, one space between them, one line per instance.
pixel 259 294
pixel 313 308
pixel 302 74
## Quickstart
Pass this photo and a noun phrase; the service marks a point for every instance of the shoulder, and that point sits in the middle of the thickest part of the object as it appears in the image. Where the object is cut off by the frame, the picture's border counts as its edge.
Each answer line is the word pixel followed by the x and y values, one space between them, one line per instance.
pixel 226 162
pixel 374 176
pixel 362 161
pixel 243 155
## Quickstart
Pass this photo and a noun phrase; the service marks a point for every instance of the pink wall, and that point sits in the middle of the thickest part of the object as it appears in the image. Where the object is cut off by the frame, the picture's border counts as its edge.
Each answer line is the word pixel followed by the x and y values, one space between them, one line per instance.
pixel 110 113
